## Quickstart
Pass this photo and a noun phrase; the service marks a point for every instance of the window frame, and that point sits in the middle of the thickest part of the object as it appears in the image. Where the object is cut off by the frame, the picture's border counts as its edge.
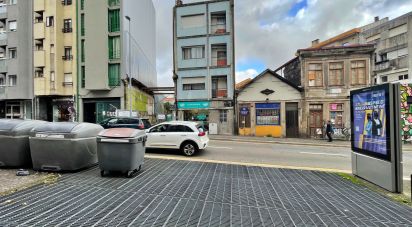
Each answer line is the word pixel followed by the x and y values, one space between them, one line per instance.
pixel 334 71
pixel 315 71
pixel 357 68
pixel 14 22
pixel 12 53
pixel 191 85
pixel 10 84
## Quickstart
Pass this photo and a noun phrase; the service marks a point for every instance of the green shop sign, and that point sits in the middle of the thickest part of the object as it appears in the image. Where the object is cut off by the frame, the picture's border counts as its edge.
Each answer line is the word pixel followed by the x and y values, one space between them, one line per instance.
pixel 193 105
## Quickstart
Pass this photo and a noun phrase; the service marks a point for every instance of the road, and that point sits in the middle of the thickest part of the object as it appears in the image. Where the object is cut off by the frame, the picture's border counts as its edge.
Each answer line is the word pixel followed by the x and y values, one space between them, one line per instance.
pixel 316 157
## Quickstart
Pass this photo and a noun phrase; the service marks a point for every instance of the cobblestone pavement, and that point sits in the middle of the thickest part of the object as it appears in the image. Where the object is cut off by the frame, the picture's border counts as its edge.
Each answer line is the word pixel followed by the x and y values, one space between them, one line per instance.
pixel 184 193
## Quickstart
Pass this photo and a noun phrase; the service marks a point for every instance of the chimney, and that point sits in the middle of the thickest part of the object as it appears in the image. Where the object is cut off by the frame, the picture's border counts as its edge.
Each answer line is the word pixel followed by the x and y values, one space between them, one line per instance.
pixel 376 18
pixel 179 2
pixel 315 42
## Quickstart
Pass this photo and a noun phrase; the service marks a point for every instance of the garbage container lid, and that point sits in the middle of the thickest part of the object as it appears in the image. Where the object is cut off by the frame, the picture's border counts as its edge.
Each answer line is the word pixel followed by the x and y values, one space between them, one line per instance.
pixel 9 124
pixel 57 127
pixel 121 133
pixel 17 126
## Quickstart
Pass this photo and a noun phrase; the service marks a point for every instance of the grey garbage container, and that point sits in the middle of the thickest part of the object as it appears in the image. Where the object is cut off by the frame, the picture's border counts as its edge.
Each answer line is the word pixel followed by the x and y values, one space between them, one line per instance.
pixel 121 149
pixel 14 142
pixel 64 146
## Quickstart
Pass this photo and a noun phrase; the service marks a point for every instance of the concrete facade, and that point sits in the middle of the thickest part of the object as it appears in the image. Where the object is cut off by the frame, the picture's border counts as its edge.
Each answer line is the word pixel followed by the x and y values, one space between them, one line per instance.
pixel 204 63
pixel 16 60
pixel 55 63
pixel 101 91
pixel 280 92
pixel 326 101
pixel 393 40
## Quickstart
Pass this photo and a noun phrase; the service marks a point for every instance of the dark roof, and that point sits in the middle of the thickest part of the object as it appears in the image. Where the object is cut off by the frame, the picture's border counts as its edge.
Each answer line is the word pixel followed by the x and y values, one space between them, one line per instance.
pixel 200 3
pixel 275 75
pixel 336 47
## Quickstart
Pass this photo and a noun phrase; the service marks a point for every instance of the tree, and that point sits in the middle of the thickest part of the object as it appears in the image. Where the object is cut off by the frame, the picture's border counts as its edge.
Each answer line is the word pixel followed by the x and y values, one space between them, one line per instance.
pixel 167 107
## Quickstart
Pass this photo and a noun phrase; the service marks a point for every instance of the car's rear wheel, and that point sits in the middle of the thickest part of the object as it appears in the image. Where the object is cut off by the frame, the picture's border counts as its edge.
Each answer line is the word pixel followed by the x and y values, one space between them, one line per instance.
pixel 189 148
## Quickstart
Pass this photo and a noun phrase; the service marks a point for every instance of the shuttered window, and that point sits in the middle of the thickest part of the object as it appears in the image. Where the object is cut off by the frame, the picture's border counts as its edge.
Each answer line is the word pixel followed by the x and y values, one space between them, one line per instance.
pixel 114 47
pixel 114 20
pixel 336 73
pixel 358 72
pixel 315 75
pixel 114 75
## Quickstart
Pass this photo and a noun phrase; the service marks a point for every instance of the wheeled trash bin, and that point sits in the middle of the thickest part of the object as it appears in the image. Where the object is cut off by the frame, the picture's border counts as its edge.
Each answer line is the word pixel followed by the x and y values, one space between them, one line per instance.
pixel 121 150
pixel 14 142
pixel 64 146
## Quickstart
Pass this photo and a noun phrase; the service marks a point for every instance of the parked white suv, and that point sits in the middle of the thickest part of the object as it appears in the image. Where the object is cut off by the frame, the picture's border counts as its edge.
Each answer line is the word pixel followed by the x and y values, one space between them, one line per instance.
pixel 187 136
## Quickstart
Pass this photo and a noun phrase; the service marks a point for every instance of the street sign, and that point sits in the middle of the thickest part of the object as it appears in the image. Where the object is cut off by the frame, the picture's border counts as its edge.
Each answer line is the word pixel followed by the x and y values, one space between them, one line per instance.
pixel 244 111
pixel 193 105
pixel 161 117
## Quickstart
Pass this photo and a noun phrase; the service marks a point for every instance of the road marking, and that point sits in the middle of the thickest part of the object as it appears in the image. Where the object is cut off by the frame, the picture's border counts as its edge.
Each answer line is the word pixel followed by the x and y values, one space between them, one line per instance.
pixel 229 148
pixel 246 163
pixel 317 153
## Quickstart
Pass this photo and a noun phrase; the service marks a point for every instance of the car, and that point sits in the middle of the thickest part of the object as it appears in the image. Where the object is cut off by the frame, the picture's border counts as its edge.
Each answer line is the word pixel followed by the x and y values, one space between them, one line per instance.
pixel 188 137
pixel 126 122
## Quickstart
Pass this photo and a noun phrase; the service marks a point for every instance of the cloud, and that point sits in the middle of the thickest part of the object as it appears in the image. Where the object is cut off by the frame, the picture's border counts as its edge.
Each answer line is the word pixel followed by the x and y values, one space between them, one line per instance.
pixel 266 32
pixel 242 75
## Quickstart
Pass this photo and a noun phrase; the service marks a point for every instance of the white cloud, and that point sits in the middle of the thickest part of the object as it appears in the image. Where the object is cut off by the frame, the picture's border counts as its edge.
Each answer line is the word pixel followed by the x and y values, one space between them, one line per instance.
pixel 243 75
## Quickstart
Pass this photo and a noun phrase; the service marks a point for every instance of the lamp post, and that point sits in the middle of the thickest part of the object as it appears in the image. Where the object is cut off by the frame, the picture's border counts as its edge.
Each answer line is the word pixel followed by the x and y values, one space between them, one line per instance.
pixel 130 69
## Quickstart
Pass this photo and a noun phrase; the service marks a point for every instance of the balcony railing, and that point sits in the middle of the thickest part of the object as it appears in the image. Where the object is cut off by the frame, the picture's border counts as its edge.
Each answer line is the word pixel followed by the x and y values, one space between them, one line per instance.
pixel 397 63
pixel 219 93
pixel 219 61
pixel 382 65
pixel 66 2
pixel 67 84
pixel 3 35
pixel 218 28
pixel 67 57
pixel 113 3
pixel 67 30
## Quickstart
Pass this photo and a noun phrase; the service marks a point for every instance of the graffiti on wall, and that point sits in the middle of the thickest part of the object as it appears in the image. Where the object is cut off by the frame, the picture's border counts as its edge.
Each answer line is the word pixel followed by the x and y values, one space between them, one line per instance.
pixel 406 112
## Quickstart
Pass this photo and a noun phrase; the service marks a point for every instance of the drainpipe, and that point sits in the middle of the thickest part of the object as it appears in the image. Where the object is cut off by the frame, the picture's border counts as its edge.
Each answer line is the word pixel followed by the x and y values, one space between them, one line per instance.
pixel 77 67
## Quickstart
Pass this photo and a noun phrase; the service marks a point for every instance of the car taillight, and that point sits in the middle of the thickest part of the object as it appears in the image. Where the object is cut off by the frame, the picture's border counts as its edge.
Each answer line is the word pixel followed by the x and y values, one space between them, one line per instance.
pixel 201 134
pixel 141 126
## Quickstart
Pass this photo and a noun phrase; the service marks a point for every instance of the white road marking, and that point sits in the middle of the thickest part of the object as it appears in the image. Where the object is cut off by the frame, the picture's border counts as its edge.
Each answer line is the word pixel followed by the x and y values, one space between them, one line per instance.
pixel 316 153
pixel 229 148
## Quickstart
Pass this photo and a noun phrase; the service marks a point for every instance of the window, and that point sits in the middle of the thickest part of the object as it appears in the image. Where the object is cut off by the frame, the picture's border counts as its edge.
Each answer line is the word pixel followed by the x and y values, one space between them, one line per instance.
pixel 13 2
pixel 219 55
pixel 81 4
pixel 39 72
pixel 67 26
pixel 193 21
pixel 179 128
pixel 160 128
pixel 52 48
pixel 113 3
pixel 52 77
pixel 82 57
pixel 218 23
pixel 50 21
pixel 12 53
pixel 38 44
pixel 67 54
pixel 82 29
pixel 38 17
pixel 12 80
pixel 83 77
pixel 114 75
pixel 336 73
pixel 315 75
pixel 194 52
pixel 403 77
pixel 358 72
pixel 384 79
pixel 114 47
pixel 383 57
pixel 219 86
pixel 114 20
pixel 13 25
pixel 66 2
pixel 2 80
pixel 336 115
pixel 68 79
pixel 223 115
pixel 199 86
pixel 268 113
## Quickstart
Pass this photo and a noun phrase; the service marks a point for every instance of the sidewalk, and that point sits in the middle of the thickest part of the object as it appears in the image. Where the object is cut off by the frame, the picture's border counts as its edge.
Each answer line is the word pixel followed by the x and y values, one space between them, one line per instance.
pixel 291 141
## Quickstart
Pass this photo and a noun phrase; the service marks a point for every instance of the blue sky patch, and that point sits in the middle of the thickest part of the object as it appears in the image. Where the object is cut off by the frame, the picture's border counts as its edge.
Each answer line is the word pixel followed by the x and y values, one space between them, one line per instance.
pixel 296 7
pixel 245 64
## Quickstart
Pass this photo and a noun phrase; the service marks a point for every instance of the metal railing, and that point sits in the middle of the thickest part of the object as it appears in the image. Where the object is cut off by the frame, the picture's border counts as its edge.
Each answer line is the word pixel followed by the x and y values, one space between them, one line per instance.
pixel 219 61
pixel 67 57
pixel 67 30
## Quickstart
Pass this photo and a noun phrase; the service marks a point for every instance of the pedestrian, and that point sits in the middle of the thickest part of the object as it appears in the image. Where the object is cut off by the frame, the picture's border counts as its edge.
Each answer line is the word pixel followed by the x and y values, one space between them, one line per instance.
pixel 329 131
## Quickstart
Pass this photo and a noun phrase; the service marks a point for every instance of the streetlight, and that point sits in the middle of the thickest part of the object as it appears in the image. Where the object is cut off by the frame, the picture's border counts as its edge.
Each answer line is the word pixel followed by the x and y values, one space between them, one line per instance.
pixel 130 69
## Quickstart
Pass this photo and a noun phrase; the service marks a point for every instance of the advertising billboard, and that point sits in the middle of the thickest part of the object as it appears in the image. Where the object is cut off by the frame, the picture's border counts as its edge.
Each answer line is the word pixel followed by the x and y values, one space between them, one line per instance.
pixel 370 121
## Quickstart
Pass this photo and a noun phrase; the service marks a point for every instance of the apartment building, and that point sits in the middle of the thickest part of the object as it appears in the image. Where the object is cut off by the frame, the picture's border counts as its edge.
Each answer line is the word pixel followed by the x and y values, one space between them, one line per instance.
pixel 392 60
pixel 116 43
pixel 204 63
pixel 16 86
pixel 55 64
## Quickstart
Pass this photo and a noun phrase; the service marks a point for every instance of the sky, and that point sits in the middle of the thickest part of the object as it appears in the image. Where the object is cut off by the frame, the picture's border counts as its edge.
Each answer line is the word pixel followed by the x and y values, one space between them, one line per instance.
pixel 268 32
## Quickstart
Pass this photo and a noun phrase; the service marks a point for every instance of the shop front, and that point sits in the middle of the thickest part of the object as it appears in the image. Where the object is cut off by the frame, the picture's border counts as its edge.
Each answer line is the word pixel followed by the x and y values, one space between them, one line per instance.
pixel 97 110
pixel 55 109
pixel 16 109
pixel 195 111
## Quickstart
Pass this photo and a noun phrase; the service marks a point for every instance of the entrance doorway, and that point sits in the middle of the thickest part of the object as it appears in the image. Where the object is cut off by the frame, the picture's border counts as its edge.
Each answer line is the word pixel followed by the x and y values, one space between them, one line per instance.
pixel 89 112
pixel 316 120
pixel 292 120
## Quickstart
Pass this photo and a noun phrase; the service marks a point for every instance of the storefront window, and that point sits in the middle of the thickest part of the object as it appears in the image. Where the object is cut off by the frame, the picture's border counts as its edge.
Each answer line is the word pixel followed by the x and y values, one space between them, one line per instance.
pixel 268 114
pixel 336 115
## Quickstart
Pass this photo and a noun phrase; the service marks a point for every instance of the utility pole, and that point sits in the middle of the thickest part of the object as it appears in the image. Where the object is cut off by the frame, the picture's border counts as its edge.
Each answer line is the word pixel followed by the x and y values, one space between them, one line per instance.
pixel 130 68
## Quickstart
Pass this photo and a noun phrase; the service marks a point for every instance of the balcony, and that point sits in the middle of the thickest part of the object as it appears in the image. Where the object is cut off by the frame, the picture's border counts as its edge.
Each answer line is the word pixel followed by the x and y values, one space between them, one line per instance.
pixel 3 10
pixel 66 2
pixel 67 84
pixel 3 38
pixel 38 31
pixel 218 28
pixel 38 5
pixel 397 63
pixel 3 65
pixel 381 66
pixel 67 30
pixel 113 3
pixel 221 93
pixel 219 61
pixel 67 57
pixel 39 58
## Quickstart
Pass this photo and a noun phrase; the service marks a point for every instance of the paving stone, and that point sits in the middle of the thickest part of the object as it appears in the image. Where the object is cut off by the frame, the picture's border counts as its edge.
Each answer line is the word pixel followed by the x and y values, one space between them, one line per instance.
pixel 184 193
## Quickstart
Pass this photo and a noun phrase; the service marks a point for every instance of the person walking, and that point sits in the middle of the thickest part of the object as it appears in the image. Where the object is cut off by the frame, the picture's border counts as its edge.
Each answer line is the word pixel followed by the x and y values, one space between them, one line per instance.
pixel 329 131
